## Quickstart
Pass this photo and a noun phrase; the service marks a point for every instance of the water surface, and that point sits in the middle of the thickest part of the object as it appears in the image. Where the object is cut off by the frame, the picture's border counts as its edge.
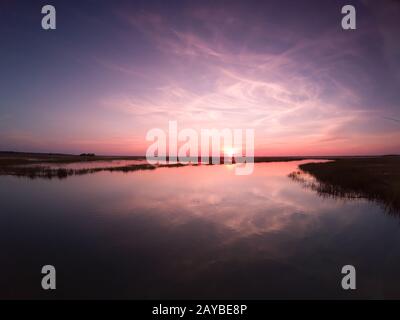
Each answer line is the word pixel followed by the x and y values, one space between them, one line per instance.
pixel 192 232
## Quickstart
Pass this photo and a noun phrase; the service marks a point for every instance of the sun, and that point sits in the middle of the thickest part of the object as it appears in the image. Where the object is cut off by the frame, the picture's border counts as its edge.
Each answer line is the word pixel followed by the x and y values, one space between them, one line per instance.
pixel 230 152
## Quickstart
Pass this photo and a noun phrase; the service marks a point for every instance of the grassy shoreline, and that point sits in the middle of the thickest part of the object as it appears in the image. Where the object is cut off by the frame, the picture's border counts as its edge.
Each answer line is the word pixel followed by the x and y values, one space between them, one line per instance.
pixel 376 179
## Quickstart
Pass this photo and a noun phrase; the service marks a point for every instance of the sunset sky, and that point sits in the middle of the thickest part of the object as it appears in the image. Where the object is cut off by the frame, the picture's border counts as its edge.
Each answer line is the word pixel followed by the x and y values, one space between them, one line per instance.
pixel 112 70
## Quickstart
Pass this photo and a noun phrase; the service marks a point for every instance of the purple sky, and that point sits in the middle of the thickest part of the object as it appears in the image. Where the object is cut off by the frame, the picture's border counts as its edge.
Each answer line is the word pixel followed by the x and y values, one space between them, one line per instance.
pixel 115 69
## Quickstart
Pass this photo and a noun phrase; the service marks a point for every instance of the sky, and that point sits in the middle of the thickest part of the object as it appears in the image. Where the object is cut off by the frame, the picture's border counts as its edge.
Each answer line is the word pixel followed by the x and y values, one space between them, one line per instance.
pixel 113 70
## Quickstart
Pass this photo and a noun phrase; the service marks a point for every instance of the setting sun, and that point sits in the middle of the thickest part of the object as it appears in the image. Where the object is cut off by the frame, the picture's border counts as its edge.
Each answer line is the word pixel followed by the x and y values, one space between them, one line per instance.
pixel 230 152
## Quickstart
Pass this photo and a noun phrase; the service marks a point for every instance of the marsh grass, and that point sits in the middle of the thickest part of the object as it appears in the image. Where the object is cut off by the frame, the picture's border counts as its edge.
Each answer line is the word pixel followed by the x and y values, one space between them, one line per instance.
pixel 38 167
pixel 375 178
pixel 61 173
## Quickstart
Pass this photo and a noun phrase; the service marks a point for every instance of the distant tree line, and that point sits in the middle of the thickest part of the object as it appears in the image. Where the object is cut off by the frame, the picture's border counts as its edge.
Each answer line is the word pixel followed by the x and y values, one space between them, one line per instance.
pixel 87 155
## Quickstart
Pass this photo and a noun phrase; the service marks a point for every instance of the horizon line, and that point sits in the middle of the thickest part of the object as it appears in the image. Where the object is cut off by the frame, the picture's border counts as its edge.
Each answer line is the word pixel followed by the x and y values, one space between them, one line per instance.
pixel 144 156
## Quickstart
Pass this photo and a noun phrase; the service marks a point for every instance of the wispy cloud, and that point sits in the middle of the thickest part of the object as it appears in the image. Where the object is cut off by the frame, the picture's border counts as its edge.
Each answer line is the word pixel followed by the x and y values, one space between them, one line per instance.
pixel 289 97
pixel 301 82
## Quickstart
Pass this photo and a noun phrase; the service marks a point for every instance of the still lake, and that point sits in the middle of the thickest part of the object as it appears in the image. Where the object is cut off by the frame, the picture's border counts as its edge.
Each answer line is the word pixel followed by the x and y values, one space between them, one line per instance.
pixel 192 232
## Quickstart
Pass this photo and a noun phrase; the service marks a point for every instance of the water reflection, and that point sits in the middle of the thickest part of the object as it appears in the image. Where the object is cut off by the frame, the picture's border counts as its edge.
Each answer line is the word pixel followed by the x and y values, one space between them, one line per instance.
pixel 193 232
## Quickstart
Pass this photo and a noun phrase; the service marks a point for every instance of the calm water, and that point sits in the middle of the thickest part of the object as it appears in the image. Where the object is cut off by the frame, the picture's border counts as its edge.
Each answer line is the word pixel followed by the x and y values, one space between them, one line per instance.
pixel 192 232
